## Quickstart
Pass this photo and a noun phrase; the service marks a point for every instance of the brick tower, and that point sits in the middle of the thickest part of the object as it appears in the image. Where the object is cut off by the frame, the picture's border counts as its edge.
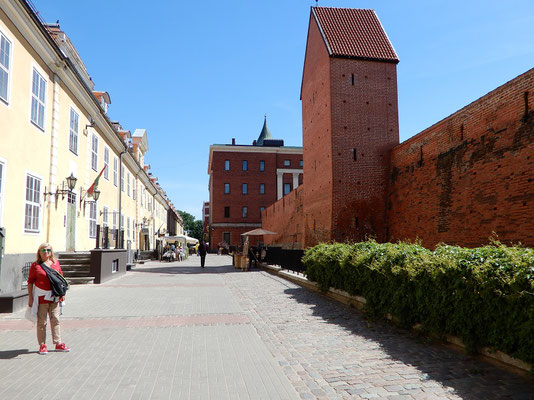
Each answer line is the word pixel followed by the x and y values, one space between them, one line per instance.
pixel 350 124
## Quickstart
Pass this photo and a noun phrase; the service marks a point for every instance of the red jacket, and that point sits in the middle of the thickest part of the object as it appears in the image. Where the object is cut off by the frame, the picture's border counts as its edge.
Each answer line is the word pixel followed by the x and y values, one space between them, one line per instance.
pixel 38 277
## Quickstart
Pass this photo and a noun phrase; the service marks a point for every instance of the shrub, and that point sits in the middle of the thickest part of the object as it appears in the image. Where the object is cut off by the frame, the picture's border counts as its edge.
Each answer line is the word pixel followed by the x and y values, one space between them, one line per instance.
pixel 484 295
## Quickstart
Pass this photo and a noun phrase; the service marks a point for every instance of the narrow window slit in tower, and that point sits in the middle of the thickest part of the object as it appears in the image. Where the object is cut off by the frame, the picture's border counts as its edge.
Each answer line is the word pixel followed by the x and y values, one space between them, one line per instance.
pixel 354 155
pixel 356 222
pixel 420 162
pixel 526 104
pixel 352 79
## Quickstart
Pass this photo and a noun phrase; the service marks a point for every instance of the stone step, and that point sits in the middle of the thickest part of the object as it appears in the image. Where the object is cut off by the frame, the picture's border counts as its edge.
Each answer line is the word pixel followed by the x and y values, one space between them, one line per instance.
pixel 81 280
pixel 75 266
pixel 74 261
pixel 75 274
pixel 74 255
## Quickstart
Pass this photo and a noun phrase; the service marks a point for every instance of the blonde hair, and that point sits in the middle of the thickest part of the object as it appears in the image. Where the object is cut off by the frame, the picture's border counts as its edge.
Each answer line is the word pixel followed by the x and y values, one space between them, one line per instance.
pixel 42 246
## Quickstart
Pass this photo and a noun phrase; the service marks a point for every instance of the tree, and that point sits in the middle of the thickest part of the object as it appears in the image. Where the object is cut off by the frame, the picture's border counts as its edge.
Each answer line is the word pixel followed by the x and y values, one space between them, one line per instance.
pixel 198 228
pixel 194 227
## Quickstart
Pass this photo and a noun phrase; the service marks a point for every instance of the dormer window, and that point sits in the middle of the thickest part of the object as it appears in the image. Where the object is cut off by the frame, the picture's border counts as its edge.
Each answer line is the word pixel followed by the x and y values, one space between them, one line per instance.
pixel 104 101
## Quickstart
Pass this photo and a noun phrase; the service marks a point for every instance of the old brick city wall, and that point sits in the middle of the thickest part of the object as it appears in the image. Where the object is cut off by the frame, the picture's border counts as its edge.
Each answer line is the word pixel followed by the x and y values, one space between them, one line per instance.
pixel 286 218
pixel 456 182
pixel 470 174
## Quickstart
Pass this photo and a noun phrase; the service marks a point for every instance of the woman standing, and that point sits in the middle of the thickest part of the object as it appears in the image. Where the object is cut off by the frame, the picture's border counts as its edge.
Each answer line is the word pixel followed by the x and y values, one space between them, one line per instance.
pixel 41 300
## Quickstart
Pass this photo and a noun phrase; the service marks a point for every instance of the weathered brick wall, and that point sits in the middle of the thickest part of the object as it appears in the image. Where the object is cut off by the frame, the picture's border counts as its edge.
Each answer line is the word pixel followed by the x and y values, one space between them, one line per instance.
pixel 470 174
pixel 364 131
pixel 285 217
pixel 317 138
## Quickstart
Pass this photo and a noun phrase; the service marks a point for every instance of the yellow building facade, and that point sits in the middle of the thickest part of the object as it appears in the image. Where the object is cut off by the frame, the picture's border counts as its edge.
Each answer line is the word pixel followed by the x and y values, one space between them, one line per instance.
pixel 54 126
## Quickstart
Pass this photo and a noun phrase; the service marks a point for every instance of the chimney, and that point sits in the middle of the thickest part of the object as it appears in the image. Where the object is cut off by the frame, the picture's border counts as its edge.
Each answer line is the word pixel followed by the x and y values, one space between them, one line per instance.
pixel 254 143
pixel 233 141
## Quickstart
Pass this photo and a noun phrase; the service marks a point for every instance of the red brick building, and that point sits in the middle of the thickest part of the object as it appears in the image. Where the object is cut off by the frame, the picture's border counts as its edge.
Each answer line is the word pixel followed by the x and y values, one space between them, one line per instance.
pixel 245 179
pixel 458 181
pixel 350 125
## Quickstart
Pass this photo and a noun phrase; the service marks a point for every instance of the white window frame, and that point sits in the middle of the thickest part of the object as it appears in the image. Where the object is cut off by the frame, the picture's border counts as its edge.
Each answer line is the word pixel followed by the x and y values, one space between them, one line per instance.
pixel 106 163
pixel 73 131
pixel 262 165
pixel 244 165
pixel 114 219
pixel 287 163
pixel 115 170
pixel 92 219
pixel 38 99
pixel 105 214
pixel 134 233
pixel 128 228
pixel 142 195
pixel 6 68
pixel 128 182
pixel 122 177
pixel 134 188
pixel 35 206
pixel 94 152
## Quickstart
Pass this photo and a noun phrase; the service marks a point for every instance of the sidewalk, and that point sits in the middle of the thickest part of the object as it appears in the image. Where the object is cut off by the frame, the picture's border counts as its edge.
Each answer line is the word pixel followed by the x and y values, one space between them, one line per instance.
pixel 176 331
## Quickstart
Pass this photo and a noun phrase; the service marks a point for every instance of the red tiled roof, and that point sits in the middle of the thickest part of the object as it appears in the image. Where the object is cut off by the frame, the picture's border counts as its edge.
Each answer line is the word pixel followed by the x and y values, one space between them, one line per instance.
pixel 357 33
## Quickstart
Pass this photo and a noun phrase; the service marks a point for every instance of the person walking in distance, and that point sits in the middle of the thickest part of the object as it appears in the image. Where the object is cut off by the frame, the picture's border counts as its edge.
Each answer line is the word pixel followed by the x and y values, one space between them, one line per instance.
pixel 202 250
pixel 41 299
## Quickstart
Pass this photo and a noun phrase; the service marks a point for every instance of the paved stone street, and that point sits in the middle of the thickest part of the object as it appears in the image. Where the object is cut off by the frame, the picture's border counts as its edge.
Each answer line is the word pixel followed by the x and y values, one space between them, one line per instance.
pixel 176 331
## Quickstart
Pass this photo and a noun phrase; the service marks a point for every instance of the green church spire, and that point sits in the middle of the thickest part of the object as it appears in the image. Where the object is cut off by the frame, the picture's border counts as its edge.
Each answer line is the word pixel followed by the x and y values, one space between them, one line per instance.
pixel 265 134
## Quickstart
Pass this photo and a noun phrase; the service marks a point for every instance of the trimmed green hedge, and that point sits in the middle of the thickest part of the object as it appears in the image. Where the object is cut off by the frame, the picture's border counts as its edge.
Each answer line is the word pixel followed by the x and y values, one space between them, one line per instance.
pixel 484 296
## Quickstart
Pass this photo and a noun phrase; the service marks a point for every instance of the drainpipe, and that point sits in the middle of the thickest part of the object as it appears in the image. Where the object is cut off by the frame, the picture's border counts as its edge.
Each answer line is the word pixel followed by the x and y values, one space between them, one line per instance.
pixel 120 199
pixel 53 151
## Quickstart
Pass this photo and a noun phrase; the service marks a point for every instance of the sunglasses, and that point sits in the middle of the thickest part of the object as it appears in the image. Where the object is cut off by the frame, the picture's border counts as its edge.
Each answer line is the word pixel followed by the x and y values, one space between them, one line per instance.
pixel 46 250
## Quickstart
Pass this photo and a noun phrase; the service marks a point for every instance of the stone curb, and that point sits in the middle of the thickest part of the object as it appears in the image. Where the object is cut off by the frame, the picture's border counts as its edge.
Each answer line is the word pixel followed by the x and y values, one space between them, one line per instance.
pixel 495 357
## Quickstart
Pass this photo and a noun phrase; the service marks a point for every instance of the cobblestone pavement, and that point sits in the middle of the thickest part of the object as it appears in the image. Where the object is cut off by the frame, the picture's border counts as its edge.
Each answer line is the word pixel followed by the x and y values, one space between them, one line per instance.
pixel 176 331
pixel 329 351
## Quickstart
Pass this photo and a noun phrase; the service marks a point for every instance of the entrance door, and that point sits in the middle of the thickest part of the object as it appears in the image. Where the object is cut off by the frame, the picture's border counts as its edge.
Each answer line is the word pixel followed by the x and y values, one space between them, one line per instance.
pixel 71 221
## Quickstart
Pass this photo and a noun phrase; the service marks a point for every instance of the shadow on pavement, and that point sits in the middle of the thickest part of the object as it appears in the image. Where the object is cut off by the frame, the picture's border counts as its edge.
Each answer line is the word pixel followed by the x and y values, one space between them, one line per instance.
pixel 470 377
pixel 189 270
pixel 9 354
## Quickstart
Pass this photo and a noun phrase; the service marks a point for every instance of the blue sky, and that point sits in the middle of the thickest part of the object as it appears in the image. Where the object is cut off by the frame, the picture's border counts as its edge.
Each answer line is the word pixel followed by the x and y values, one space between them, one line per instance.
pixel 195 73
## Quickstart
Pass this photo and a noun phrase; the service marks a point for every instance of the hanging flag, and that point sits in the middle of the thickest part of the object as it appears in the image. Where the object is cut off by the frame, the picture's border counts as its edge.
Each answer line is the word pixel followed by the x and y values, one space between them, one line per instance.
pixel 95 183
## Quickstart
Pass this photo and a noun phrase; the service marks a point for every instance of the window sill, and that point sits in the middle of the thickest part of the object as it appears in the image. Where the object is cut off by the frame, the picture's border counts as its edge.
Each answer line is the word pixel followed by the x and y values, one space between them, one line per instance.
pixel 37 126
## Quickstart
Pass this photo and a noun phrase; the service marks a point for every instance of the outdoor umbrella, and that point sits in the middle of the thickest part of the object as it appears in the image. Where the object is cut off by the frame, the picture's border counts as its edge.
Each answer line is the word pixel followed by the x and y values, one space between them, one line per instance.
pixel 258 232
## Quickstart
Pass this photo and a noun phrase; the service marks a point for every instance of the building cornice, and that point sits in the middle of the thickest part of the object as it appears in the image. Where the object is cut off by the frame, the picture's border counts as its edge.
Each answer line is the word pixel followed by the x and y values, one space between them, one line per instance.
pixel 234 225
pixel 250 149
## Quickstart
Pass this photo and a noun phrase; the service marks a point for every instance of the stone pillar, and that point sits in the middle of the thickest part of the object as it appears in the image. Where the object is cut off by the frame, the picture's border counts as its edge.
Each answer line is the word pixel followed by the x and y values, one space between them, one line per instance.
pixel 279 185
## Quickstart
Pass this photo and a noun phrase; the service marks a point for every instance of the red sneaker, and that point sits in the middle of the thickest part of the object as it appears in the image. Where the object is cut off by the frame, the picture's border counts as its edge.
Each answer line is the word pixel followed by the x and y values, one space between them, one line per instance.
pixel 62 347
pixel 43 349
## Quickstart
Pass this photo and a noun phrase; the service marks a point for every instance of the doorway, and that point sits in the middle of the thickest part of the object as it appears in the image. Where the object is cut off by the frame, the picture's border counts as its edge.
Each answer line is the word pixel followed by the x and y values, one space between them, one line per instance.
pixel 71 221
